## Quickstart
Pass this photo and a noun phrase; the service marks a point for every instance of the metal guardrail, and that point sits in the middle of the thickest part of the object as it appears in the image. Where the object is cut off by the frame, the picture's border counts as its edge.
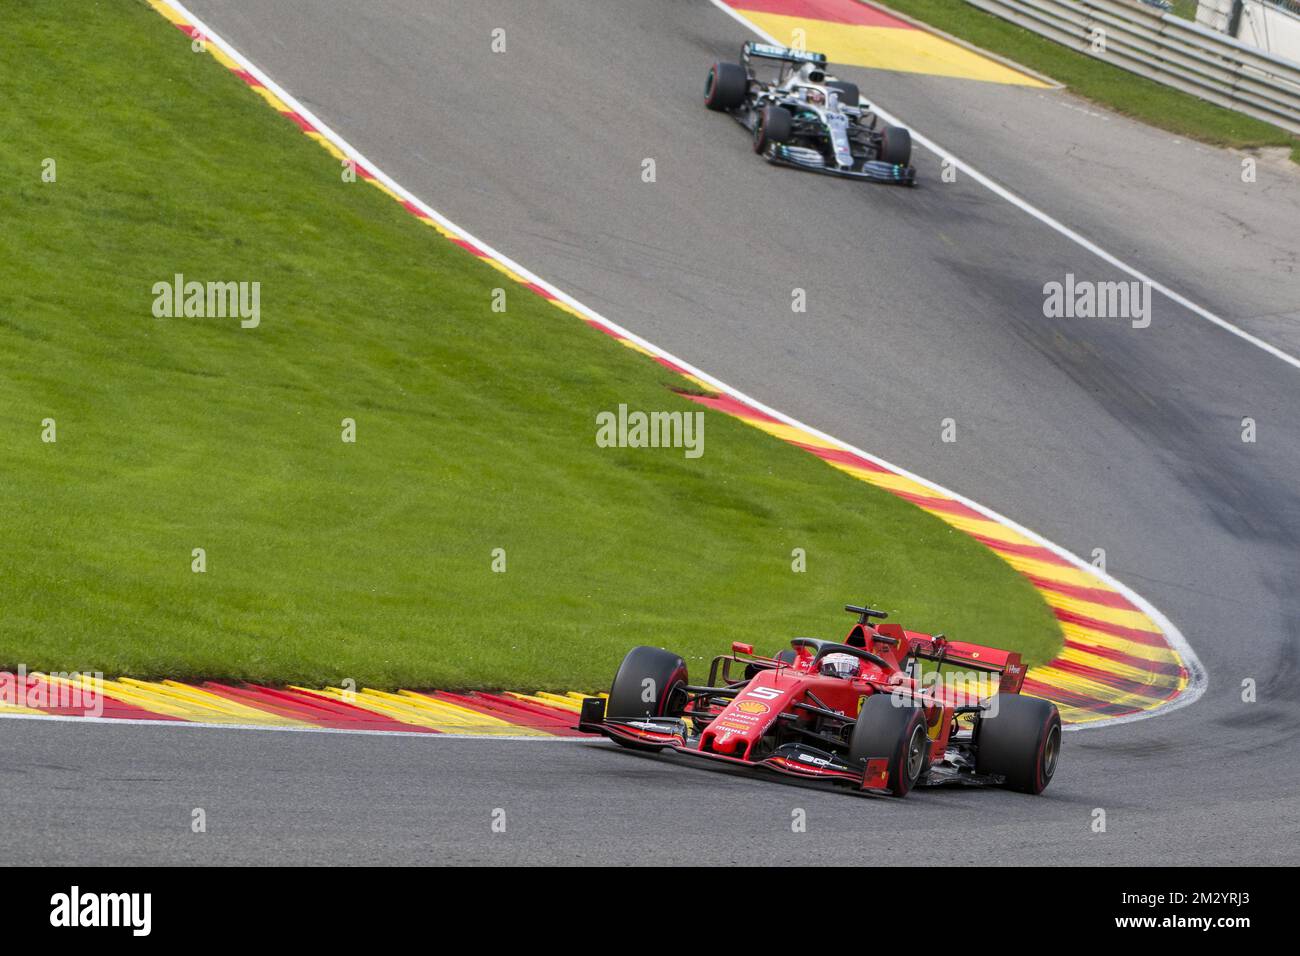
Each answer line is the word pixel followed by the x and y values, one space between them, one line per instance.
pixel 1167 49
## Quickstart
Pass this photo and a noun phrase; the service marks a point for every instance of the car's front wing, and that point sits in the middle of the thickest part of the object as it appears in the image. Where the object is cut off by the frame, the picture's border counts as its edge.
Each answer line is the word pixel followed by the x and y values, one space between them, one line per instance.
pixel 794 760
pixel 873 170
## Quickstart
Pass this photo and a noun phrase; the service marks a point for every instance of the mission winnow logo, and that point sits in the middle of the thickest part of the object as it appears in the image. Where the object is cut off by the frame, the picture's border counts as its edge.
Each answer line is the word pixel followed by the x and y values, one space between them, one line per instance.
pixel 75 909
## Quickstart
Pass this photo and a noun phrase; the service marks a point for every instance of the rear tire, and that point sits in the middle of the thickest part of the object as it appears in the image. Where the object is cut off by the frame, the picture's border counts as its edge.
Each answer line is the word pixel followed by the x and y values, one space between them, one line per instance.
pixel 651 682
pixel 885 731
pixel 771 128
pixel 1022 743
pixel 896 146
pixel 849 95
pixel 726 86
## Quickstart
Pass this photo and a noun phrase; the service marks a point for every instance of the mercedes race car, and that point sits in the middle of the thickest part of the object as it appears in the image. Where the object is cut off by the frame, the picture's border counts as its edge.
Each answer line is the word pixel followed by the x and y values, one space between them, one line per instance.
pixel 807 118
pixel 869 713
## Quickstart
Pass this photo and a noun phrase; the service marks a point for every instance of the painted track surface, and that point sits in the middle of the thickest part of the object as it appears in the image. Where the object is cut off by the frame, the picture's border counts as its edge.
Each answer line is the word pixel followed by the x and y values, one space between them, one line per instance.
pixel 363 710
pixel 930 307
pixel 857 34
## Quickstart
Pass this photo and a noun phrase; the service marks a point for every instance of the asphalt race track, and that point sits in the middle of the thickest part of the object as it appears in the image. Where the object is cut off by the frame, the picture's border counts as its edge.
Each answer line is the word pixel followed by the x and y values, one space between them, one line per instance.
pixel 923 304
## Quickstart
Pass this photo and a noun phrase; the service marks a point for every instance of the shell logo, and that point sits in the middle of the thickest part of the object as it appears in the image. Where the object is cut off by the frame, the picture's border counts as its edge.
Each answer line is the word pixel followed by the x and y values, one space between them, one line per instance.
pixel 751 707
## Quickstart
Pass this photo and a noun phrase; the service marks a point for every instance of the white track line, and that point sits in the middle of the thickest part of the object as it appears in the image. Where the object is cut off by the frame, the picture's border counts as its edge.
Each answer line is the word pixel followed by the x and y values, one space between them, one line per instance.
pixel 1197 677
pixel 1025 206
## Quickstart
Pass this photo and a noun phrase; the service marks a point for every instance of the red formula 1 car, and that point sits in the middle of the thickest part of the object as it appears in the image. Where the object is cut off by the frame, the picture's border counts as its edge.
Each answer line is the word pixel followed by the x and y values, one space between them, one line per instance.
pixel 867 713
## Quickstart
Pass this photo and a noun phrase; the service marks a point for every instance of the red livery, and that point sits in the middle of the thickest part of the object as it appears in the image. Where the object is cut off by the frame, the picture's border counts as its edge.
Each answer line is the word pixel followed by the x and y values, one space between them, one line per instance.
pixel 886 710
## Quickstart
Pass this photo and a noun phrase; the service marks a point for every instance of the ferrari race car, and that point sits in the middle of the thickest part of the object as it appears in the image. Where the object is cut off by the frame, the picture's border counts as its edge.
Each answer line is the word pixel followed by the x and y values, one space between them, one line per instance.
pixel 805 117
pixel 862 713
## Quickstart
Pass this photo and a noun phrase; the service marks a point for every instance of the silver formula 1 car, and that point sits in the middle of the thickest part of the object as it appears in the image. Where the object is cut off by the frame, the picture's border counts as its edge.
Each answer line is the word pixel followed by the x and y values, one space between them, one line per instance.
pixel 805 117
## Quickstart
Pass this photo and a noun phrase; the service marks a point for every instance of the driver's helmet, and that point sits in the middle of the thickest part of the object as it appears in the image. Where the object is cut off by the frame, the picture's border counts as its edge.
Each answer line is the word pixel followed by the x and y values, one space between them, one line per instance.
pixel 815 97
pixel 841 665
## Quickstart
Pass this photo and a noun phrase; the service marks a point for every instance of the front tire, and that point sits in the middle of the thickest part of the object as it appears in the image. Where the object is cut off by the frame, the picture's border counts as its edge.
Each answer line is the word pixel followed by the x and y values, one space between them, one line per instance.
pixel 772 127
pixel 651 682
pixel 725 87
pixel 1022 743
pixel 886 731
pixel 896 146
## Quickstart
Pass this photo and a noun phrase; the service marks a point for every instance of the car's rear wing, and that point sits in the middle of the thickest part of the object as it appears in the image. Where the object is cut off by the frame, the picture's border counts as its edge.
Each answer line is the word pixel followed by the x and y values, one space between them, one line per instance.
pixel 977 657
pixel 768 51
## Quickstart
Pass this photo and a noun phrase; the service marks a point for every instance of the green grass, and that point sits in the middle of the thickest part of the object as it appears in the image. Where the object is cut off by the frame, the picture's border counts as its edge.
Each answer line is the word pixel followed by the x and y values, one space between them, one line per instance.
pixel 476 430
pixel 1117 89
